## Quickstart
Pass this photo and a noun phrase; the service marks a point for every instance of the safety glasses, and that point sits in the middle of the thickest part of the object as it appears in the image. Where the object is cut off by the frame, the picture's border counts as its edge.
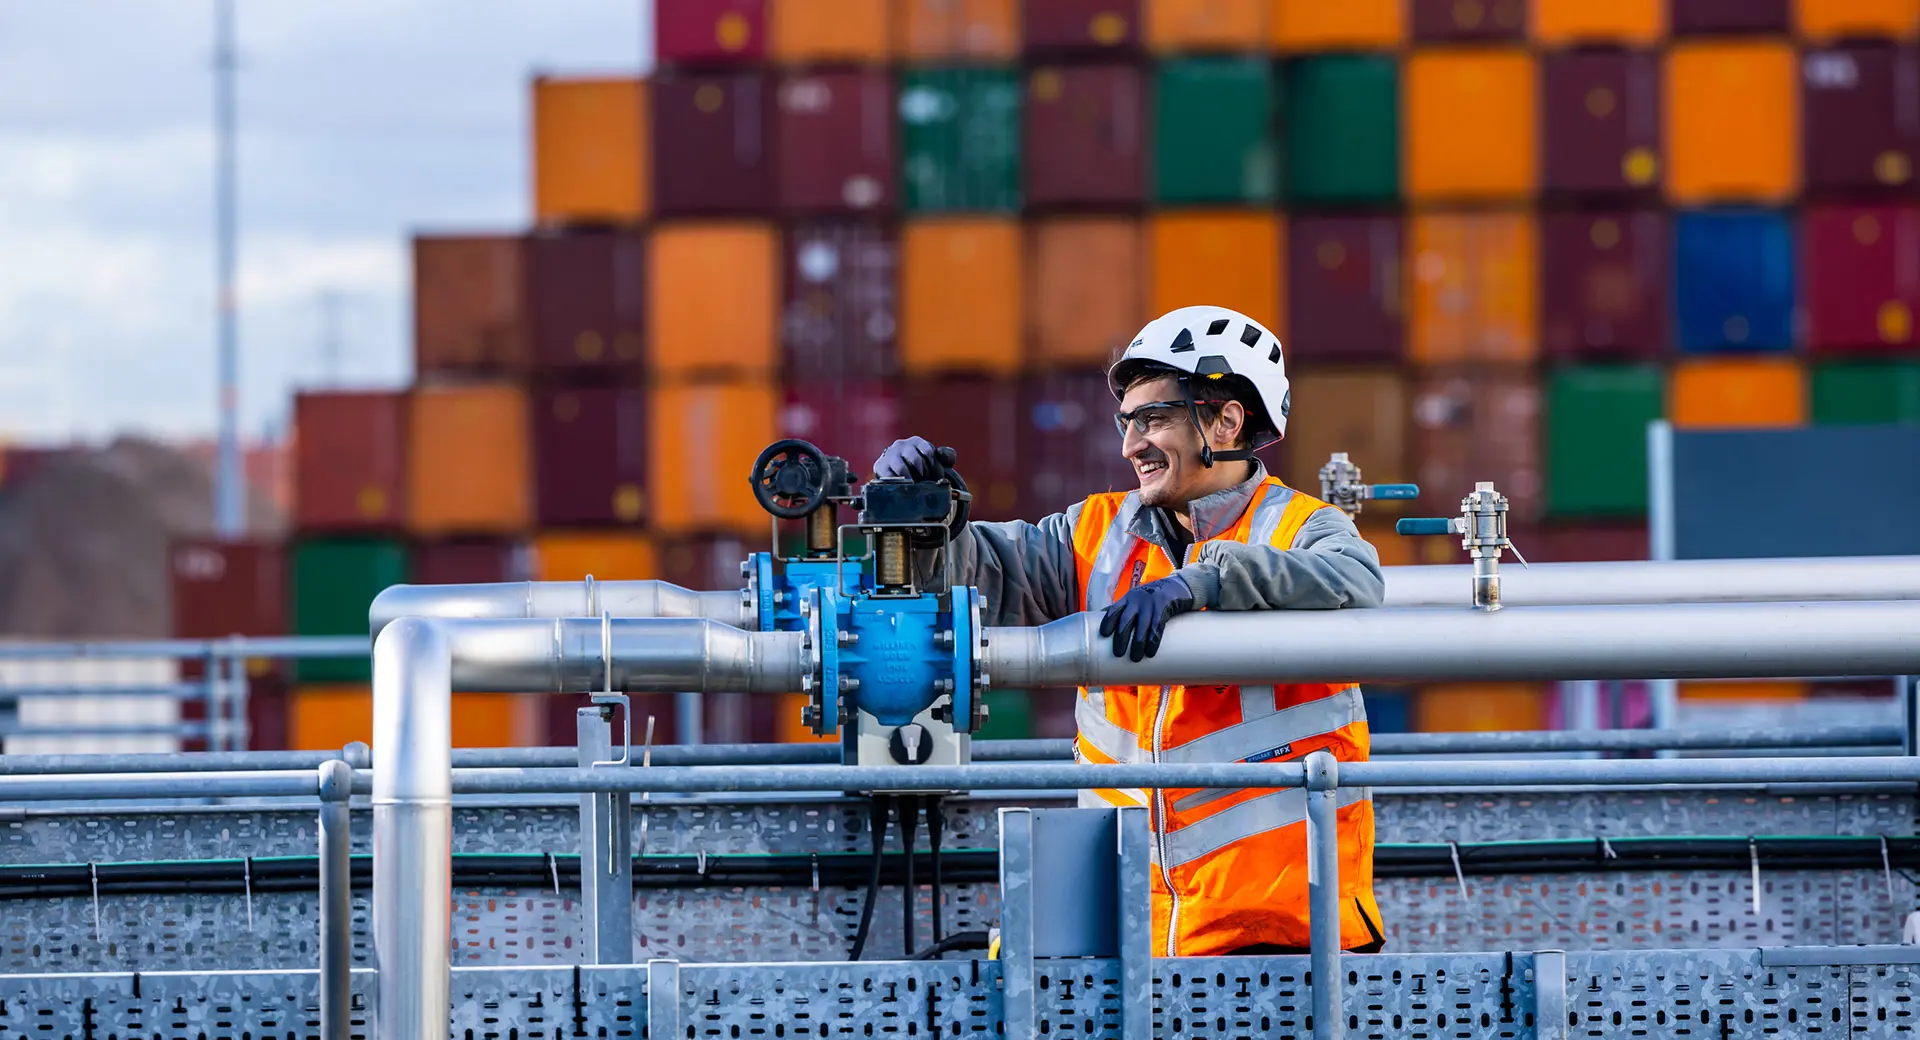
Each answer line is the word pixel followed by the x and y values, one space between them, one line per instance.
pixel 1154 417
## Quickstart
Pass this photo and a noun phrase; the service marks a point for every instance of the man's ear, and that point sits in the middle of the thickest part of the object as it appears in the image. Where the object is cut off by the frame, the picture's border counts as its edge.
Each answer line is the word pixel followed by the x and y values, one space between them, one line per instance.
pixel 1231 423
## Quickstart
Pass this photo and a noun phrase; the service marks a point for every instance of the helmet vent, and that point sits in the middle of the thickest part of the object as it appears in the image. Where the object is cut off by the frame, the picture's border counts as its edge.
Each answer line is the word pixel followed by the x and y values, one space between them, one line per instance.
pixel 1181 343
pixel 1218 326
pixel 1274 356
pixel 1250 335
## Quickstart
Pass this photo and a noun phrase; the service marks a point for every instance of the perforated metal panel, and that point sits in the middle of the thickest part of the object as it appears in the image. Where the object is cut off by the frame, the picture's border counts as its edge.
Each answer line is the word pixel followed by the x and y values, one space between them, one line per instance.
pixel 1474 817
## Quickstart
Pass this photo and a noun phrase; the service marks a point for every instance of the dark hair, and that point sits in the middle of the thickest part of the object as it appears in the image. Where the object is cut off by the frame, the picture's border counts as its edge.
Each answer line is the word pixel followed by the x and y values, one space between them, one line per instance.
pixel 1210 396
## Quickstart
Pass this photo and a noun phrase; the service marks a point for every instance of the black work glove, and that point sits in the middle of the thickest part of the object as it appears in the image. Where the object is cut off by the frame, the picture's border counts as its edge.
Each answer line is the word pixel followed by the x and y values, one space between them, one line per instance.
pixel 914 458
pixel 1137 619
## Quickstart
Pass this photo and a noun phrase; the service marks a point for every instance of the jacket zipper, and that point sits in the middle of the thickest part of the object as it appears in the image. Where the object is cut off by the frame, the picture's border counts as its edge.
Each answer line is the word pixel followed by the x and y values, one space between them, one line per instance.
pixel 1160 804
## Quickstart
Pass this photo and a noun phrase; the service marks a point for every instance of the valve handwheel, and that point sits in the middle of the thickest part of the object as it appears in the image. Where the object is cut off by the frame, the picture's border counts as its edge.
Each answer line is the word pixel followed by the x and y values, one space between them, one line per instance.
pixel 790 478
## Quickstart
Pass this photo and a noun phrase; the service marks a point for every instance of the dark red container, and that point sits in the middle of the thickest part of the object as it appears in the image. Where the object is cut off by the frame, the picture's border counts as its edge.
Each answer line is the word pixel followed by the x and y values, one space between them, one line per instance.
pixel 590 455
pixel 1860 115
pixel 1604 284
pixel 1084 132
pixel 1469 20
pixel 1705 17
pixel 855 421
pixel 842 308
pixel 706 563
pixel 979 417
pixel 1601 121
pixel 1561 543
pixel 350 456
pixel 834 141
pixel 585 297
pixel 711 143
pixel 1478 424
pixel 1081 26
pixel 225 589
pixel 710 32
pixel 468 561
pixel 1068 445
pixel 1860 266
pixel 1344 277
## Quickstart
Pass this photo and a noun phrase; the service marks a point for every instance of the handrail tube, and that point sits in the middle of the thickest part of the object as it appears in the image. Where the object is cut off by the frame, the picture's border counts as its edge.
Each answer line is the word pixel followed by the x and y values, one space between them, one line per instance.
pixel 645 598
pixel 1795 580
pixel 236 646
pixel 1744 738
pixel 141 786
pixel 1717 640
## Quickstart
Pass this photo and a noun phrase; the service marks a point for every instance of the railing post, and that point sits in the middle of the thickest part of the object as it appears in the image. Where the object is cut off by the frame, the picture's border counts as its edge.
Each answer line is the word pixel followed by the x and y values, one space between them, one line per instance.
pixel 1135 885
pixel 1323 894
pixel 336 901
pixel 606 849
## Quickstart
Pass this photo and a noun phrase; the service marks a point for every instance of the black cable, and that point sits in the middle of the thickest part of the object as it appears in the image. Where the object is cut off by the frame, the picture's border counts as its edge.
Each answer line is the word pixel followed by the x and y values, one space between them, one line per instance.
pixel 877 824
pixel 936 822
pixel 909 892
pixel 956 941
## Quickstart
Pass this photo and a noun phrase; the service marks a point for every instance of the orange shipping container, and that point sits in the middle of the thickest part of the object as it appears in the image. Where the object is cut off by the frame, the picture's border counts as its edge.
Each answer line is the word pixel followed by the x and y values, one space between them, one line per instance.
pixel 467 313
pixel 1475 288
pixel 471 468
pixel 1219 258
pixel 607 555
pixel 1198 25
pixel 1332 25
pixel 1086 295
pixel 590 151
pixel 1834 19
pixel 713 298
pixel 1733 122
pixel 1745 690
pixel 961 296
pixel 329 716
pixel 1469 124
pixel 1480 707
pixel 1362 412
pixel 1563 22
pixel 941 29
pixel 1760 392
pixel 702 440
pixel 829 30
pixel 787 727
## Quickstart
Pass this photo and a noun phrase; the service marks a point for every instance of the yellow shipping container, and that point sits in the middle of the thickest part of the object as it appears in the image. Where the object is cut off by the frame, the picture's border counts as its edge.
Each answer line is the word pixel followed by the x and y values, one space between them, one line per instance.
pixel 1480 707
pixel 713 298
pixel 1470 124
pixel 1475 287
pixel 607 555
pixel 702 441
pixel 829 31
pixel 1825 20
pixel 1629 22
pixel 470 469
pixel 1732 127
pixel 1334 25
pixel 1227 258
pixel 961 296
pixel 591 150
pixel 327 717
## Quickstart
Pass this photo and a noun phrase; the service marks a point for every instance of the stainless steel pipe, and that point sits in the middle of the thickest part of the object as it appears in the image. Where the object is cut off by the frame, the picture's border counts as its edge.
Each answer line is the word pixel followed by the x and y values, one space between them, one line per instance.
pixel 649 655
pixel 1797 580
pixel 412 828
pixel 1684 641
pixel 559 599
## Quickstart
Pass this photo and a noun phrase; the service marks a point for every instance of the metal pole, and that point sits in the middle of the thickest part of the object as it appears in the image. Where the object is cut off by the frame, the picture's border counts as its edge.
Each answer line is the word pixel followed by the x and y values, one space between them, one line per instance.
pixel 412 829
pixel 336 901
pixel 1135 915
pixel 1016 921
pixel 230 489
pixel 606 848
pixel 1808 580
pixel 689 717
pixel 1663 691
pixel 1323 894
pixel 645 598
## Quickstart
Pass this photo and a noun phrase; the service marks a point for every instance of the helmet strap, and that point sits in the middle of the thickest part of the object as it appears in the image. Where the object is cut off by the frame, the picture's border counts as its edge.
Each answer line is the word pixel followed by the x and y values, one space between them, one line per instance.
pixel 1207 455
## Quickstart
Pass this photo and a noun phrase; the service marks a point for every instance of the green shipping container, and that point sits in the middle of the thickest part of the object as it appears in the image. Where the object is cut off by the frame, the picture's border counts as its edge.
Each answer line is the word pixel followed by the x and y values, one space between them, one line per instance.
pixel 1860 393
pixel 334 582
pixel 1215 121
pixel 1597 438
pixel 1343 129
pixel 1009 716
pixel 960 140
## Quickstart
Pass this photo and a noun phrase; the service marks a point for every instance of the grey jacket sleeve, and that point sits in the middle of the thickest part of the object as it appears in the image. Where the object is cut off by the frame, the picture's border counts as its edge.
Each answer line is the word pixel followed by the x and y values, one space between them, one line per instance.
pixel 1025 572
pixel 1329 566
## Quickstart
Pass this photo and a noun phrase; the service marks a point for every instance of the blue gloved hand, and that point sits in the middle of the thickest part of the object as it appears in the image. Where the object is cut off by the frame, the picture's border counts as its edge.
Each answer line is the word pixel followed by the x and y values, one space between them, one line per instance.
pixel 1137 619
pixel 915 459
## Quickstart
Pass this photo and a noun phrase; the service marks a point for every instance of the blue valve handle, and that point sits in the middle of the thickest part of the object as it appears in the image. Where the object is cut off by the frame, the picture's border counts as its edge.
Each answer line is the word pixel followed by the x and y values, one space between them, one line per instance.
pixel 1423 525
pixel 1396 491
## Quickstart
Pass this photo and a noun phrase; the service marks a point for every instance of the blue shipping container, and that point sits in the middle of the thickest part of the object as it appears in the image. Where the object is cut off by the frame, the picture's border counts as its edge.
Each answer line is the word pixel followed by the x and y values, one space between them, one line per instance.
pixel 1733 281
pixel 1389 709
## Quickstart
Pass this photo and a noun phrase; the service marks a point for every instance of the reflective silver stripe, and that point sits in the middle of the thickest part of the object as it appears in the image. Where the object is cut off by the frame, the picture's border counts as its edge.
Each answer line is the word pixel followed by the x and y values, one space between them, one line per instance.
pixel 1266 515
pixel 1272 731
pixel 1204 796
pixel 1107 737
pixel 1115 546
pixel 1257 702
pixel 1269 812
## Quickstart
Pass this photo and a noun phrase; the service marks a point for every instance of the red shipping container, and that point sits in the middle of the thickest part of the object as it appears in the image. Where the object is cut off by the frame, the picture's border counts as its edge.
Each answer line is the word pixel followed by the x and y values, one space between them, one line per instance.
pixel 1560 543
pixel 590 456
pixel 1602 120
pixel 585 295
pixel 1473 425
pixel 1345 289
pixel 1081 25
pixel 1710 17
pixel 855 421
pixel 467 315
pixel 267 697
pixel 978 417
pixel 1860 108
pixel 843 301
pixel 1861 269
pixel 1469 20
pixel 471 561
pixel 1068 445
pixel 834 141
pixel 350 471
pixel 1084 127
pixel 223 589
pixel 1604 284
pixel 706 563
pixel 710 32
pixel 711 143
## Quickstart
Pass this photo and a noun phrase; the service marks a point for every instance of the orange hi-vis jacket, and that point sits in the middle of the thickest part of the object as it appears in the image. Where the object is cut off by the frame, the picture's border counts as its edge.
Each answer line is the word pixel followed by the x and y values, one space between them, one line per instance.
pixel 1230 865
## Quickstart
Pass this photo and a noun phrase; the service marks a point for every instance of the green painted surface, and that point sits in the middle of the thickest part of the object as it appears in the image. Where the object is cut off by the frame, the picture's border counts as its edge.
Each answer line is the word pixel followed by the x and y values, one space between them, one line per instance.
pixel 959 139
pixel 334 582
pixel 1214 137
pixel 1343 129
pixel 1859 393
pixel 1596 438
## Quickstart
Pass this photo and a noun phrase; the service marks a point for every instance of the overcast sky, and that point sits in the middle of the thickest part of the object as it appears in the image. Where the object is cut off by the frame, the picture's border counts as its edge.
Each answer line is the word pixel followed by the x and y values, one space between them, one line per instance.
pixel 360 121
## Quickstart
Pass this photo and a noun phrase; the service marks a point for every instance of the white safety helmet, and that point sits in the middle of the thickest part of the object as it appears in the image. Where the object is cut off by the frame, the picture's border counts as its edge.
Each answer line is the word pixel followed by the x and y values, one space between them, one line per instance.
pixel 1209 343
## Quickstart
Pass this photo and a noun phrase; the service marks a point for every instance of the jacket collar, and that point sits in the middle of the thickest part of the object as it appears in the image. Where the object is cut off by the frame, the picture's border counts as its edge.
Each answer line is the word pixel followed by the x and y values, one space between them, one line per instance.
pixel 1212 515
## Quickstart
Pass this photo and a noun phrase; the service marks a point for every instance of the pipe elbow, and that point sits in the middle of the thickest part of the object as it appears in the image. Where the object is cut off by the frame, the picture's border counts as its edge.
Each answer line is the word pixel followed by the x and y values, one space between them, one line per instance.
pixel 412 713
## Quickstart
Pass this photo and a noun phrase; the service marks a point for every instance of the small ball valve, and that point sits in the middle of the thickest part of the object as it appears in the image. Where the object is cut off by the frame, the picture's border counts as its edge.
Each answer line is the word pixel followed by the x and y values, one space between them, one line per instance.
pixel 1482 527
